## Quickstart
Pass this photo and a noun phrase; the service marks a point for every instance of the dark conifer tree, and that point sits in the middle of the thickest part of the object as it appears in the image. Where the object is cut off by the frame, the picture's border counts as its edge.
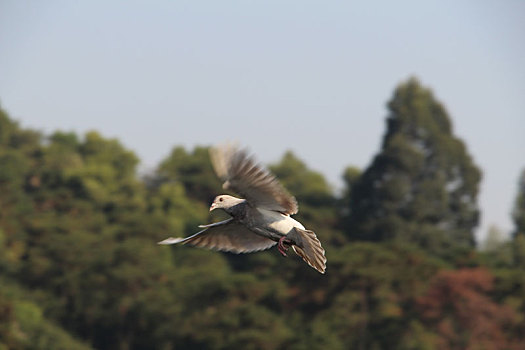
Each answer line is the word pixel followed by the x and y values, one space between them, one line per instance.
pixel 518 213
pixel 422 186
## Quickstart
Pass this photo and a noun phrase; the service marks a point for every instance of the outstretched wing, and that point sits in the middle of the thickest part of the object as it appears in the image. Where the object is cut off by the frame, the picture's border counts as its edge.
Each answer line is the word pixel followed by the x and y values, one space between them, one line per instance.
pixel 243 175
pixel 227 235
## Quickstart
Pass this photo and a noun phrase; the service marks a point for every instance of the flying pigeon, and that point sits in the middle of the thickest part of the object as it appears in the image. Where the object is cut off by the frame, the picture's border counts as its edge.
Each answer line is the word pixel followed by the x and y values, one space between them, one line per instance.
pixel 258 221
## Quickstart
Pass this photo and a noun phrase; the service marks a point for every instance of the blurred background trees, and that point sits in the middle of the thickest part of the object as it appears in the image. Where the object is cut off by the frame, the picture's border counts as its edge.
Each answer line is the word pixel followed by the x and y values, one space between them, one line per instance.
pixel 80 267
pixel 422 186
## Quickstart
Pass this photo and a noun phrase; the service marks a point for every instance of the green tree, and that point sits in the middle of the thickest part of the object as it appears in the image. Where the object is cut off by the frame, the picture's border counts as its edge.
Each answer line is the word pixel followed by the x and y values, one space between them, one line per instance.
pixel 366 301
pixel 518 213
pixel 17 149
pixel 191 169
pixel 23 325
pixel 310 187
pixel 89 241
pixel 79 259
pixel 422 186
pixel 350 177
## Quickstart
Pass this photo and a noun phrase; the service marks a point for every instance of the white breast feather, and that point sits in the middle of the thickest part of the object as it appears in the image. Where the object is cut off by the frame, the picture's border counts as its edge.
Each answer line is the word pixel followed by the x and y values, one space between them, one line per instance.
pixel 279 222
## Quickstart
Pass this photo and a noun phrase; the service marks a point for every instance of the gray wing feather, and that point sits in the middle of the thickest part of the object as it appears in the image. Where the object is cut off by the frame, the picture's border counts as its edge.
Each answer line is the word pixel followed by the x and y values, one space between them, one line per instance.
pixel 217 223
pixel 227 235
pixel 243 175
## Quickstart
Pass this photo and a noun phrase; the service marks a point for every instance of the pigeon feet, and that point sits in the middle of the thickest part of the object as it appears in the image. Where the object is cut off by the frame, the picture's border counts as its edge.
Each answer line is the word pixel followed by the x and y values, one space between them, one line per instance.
pixel 284 245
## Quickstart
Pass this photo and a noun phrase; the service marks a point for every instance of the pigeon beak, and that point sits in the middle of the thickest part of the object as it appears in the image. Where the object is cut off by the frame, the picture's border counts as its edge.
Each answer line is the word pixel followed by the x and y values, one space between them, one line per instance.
pixel 213 206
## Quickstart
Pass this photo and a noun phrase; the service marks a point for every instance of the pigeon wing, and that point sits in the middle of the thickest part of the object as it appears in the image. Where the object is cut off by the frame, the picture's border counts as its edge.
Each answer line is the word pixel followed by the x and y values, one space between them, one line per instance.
pixel 227 235
pixel 243 175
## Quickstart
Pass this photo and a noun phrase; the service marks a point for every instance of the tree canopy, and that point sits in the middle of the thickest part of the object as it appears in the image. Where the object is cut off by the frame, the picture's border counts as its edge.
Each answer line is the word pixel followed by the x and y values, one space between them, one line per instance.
pixel 80 267
pixel 422 186
pixel 518 213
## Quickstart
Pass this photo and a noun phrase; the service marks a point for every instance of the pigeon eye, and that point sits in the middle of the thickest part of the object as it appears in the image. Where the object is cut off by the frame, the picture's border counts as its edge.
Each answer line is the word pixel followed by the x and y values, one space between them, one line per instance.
pixel 221 199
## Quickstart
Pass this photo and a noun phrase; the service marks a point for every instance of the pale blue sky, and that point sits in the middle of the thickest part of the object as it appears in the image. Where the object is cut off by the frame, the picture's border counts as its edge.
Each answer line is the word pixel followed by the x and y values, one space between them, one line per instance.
pixel 311 76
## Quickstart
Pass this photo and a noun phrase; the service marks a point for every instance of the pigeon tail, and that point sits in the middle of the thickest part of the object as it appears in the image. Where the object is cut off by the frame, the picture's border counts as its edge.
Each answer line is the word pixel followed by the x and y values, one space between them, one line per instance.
pixel 309 248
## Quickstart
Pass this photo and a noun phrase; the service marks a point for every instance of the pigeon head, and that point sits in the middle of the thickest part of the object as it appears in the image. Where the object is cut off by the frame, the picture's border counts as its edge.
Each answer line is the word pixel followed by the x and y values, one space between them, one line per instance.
pixel 225 202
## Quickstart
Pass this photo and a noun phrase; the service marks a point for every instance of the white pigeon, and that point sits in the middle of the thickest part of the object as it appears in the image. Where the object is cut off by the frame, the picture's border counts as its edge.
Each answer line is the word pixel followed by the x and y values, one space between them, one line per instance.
pixel 260 220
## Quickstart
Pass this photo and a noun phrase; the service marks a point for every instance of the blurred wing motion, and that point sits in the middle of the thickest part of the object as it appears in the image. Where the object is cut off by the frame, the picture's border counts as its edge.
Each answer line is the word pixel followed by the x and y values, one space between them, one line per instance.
pixel 241 174
pixel 226 235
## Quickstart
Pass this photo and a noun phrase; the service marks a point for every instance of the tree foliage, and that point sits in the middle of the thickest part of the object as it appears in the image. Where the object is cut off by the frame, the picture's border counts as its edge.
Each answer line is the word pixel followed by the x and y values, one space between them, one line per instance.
pixel 193 170
pixel 518 213
pixel 422 186
pixel 80 267
pixel 457 303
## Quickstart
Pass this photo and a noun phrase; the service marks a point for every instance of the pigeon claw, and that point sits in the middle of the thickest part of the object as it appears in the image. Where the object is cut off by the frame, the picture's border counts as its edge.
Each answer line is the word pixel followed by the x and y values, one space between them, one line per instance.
pixel 284 245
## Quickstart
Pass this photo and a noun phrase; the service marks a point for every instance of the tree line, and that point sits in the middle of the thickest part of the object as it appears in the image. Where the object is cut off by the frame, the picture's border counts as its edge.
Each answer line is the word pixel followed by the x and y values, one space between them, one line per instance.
pixel 80 268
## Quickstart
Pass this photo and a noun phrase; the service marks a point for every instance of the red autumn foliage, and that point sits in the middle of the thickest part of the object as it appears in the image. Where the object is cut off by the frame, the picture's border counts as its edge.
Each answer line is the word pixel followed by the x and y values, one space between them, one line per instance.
pixel 458 308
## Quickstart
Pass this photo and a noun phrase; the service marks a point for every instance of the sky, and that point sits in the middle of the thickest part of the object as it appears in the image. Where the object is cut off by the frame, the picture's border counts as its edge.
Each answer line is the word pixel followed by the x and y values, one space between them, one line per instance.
pixel 308 76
